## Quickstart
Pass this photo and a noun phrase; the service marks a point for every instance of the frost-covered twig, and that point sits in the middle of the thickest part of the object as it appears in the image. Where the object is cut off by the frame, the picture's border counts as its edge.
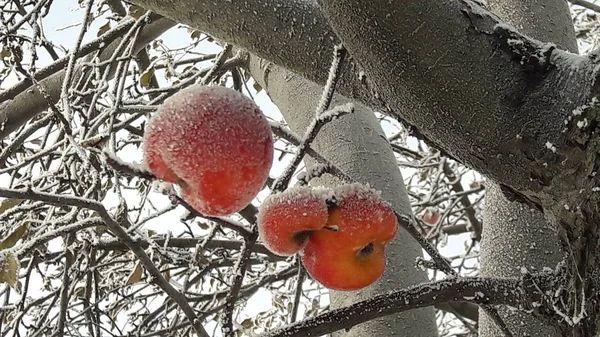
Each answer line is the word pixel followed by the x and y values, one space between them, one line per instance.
pixel 313 129
pixel 339 53
pixel 157 278
pixel 289 136
pixel 218 65
pixel 322 117
pixel 64 291
pixel 233 294
pixel 441 263
pixel 586 4
pixel 73 58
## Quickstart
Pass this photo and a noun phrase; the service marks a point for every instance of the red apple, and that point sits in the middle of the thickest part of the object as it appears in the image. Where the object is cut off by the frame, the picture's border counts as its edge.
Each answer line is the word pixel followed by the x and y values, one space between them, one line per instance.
pixel 430 216
pixel 213 141
pixel 349 253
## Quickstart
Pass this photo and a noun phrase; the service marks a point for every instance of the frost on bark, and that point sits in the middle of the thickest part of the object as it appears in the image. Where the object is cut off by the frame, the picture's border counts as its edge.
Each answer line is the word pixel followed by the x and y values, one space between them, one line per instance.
pixel 356 144
pixel 517 237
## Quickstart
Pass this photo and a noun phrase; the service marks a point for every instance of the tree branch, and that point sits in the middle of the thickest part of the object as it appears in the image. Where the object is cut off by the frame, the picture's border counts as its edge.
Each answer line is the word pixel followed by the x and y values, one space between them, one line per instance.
pixel 586 4
pixel 527 74
pixel 117 244
pixel 476 290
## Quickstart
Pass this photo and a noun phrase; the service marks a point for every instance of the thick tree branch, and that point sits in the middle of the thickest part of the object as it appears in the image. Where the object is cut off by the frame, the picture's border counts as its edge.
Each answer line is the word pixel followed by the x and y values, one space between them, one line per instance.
pixel 523 110
pixel 476 290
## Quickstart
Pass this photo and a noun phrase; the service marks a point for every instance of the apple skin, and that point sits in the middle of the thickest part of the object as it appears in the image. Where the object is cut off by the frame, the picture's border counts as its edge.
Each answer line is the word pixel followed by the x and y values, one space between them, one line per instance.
pixel 286 220
pixel 151 146
pixel 349 253
pixel 215 143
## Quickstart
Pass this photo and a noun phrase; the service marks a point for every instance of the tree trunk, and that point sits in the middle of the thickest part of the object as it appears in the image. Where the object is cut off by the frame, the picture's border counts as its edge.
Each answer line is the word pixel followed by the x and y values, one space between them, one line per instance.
pixel 515 236
pixel 357 145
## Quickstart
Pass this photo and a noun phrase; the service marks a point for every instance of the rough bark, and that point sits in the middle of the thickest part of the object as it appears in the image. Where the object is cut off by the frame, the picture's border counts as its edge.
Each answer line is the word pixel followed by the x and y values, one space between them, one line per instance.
pixel 516 236
pixel 356 144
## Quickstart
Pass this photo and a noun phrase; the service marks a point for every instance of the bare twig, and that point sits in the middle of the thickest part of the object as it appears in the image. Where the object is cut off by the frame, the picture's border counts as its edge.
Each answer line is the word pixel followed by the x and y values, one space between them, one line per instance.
pixel 321 118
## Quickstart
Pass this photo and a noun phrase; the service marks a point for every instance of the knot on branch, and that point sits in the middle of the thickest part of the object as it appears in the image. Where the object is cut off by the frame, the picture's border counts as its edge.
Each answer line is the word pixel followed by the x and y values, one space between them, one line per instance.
pixel 534 56
pixel 482 20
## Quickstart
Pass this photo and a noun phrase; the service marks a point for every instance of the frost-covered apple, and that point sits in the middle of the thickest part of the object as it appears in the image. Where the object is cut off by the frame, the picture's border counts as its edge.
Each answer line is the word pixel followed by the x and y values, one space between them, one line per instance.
pixel 286 220
pixel 215 143
pixel 431 216
pixel 349 253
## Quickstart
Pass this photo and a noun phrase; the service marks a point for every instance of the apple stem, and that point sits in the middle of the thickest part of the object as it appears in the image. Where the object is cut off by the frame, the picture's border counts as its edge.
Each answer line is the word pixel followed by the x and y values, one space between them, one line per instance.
pixel 331 203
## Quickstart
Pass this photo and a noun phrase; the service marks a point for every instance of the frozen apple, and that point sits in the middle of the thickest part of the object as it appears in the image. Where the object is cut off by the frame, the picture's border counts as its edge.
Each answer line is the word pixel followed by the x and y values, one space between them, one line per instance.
pixel 431 216
pixel 215 143
pixel 287 219
pixel 349 252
